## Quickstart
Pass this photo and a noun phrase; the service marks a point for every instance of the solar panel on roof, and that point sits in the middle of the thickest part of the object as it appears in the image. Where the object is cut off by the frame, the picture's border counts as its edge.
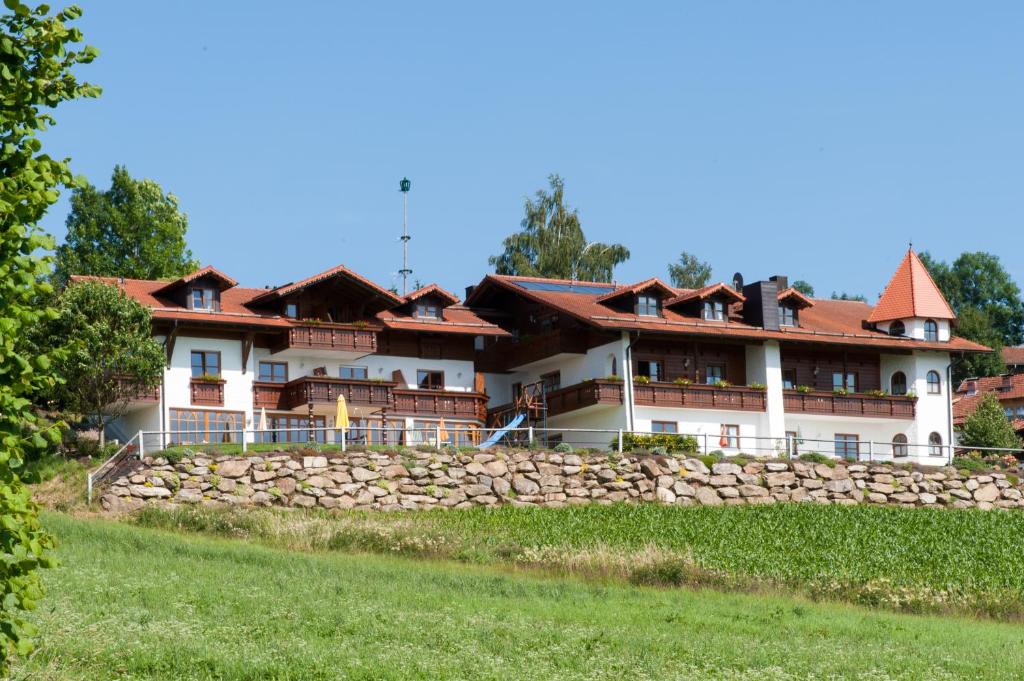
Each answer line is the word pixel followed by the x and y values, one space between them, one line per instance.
pixel 559 287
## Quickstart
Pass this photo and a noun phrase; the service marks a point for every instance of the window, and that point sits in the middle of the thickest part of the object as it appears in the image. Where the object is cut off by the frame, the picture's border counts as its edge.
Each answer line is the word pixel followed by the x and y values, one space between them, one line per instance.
pixel 292 428
pixel 931 330
pixel 849 385
pixel 194 426
pixel 1008 411
pixel 291 310
pixel 934 445
pixel 898 383
pixel 359 373
pixel 787 315
pixel 649 368
pixel 934 383
pixel 428 310
pixel 792 442
pixel 899 445
pixel 552 381
pixel 847 446
pixel 204 299
pixel 648 305
pixel 789 378
pixel 897 329
pixel 205 363
pixel 273 372
pixel 664 427
pixel 1020 412
pixel 714 310
pixel 430 380
pixel 730 436
pixel 713 374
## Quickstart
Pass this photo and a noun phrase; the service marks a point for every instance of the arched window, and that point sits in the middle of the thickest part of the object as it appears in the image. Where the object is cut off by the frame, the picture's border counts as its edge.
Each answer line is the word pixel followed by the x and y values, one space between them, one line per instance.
pixel 931 330
pixel 935 445
pixel 934 383
pixel 899 445
pixel 898 384
pixel 897 329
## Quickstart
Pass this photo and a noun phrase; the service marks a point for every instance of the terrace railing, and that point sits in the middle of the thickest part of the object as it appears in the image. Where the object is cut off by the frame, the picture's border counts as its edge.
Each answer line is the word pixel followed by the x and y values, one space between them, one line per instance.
pixel 819 402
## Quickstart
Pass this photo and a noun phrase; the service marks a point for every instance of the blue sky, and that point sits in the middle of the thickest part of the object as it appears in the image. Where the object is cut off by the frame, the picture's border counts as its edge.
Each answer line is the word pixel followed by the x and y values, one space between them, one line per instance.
pixel 803 138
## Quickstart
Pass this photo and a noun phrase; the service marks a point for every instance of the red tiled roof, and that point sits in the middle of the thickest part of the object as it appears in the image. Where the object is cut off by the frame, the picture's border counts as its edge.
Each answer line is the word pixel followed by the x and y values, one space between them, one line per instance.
pixel 1006 388
pixel 837 322
pixel 208 271
pixel 339 270
pixel 434 289
pixel 1014 354
pixel 911 293
pixel 653 282
pixel 702 293
pixel 800 299
pixel 454 319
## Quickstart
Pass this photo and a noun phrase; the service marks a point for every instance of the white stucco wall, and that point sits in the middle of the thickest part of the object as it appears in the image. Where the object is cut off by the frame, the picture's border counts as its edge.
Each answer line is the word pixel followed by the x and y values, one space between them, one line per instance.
pixel 914 328
pixel 237 386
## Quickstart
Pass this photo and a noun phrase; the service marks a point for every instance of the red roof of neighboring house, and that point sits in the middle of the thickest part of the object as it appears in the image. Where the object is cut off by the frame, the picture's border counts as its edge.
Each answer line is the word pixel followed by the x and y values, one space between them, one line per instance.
pixel 837 322
pixel 1006 388
pixel 1014 355
pixel 911 293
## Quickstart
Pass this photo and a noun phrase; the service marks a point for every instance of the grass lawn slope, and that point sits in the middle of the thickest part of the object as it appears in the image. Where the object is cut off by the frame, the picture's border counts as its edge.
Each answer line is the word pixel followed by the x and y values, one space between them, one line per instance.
pixel 138 603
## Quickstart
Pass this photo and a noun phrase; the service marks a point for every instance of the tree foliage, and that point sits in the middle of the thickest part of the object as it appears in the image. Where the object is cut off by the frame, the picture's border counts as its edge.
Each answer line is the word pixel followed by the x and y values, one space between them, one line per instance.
pixel 131 230
pixel 988 426
pixel 848 296
pixel 108 353
pixel 689 272
pixel 551 243
pixel 38 51
pixel 976 325
pixel 803 287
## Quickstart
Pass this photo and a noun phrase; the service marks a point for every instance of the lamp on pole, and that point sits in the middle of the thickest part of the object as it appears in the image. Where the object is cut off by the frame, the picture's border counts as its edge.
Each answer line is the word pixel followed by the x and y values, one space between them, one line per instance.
pixel 404 186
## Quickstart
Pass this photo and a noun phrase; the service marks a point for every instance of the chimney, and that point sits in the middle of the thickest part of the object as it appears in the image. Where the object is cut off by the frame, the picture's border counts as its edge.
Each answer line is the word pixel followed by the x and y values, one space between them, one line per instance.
pixel 781 281
pixel 469 291
pixel 762 305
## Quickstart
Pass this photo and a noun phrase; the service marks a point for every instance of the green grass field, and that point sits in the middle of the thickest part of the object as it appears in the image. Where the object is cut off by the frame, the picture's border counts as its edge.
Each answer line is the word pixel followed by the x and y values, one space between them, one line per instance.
pixel 917 560
pixel 138 603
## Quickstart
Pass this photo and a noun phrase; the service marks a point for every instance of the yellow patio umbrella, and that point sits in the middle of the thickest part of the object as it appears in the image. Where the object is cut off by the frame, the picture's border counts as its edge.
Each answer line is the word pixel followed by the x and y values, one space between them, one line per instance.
pixel 341 416
pixel 442 433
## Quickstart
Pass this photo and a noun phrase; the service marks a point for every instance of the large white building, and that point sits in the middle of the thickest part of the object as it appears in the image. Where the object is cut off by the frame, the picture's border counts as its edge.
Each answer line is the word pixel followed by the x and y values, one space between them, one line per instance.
pixel 757 368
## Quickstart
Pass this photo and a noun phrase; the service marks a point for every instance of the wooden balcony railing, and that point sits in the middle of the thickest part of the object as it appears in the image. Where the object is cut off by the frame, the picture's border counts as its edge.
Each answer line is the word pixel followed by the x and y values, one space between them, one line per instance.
pixel 507 353
pixel 139 394
pixel 381 395
pixel 699 396
pixel 207 393
pixel 330 337
pixel 815 402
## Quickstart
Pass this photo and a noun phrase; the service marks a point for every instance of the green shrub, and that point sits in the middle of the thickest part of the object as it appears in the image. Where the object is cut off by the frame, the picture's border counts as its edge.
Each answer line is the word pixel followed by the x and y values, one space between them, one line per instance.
pixel 758 386
pixel 970 464
pixel 563 447
pixel 711 459
pixel 815 457
pixel 642 380
pixel 669 441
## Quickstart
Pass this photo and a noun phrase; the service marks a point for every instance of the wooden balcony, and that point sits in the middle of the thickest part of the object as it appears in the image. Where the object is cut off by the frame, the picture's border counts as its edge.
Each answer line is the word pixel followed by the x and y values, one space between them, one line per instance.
pixel 698 396
pixel 507 353
pixel 585 394
pixel 207 393
pixel 341 337
pixel 819 402
pixel 139 394
pixel 374 394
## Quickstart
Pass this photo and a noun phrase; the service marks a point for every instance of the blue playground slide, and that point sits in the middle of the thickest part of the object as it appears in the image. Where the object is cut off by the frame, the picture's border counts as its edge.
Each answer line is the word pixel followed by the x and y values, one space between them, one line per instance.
pixel 502 432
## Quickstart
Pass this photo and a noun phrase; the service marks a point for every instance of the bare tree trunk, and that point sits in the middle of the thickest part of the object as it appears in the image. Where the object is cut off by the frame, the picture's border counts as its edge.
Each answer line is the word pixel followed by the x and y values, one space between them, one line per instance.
pixel 103 431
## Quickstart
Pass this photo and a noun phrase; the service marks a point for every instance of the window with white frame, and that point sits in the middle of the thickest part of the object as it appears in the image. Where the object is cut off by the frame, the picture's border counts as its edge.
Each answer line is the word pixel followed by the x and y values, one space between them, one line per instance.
pixel 714 310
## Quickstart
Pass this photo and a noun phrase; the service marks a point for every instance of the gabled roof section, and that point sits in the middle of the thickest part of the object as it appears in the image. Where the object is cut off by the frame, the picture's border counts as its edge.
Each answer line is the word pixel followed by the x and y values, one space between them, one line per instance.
pixel 1014 355
pixel 224 282
pixel 338 272
pixel 795 298
pixel 720 288
pixel 646 285
pixel 911 293
pixel 433 289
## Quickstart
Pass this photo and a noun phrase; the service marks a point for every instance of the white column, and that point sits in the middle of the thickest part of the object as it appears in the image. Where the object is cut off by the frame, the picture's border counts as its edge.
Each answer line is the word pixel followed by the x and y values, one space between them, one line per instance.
pixel 769 362
pixel 625 361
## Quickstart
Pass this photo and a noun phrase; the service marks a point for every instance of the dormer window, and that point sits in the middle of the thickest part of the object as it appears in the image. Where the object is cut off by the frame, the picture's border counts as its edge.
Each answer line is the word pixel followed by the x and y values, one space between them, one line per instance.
pixel 427 310
pixel 648 305
pixel 204 299
pixel 897 329
pixel 788 316
pixel 291 310
pixel 931 331
pixel 714 310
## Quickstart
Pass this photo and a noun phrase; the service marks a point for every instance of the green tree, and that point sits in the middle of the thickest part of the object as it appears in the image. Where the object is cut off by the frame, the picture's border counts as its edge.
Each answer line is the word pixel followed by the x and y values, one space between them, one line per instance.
pixel 131 230
pixel 803 287
pixel 551 243
pixel 689 272
pixel 978 280
pixel 988 426
pixel 976 325
pixel 38 51
pixel 108 354
pixel 848 296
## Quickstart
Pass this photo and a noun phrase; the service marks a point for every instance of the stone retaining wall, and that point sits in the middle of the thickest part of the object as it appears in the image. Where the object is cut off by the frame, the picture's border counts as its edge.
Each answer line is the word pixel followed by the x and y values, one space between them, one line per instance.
pixel 414 479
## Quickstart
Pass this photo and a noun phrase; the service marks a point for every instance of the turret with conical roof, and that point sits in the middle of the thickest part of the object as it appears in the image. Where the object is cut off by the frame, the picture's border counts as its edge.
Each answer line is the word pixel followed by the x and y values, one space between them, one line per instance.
pixel 912 304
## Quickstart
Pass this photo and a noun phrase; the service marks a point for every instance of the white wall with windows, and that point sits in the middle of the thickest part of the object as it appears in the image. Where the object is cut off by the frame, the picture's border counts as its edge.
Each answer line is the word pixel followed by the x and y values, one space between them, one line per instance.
pixel 237 385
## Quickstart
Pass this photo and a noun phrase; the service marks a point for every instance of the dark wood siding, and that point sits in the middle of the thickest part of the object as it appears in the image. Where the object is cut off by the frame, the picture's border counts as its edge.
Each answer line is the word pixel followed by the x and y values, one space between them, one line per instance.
pixel 691 359
pixel 803 360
